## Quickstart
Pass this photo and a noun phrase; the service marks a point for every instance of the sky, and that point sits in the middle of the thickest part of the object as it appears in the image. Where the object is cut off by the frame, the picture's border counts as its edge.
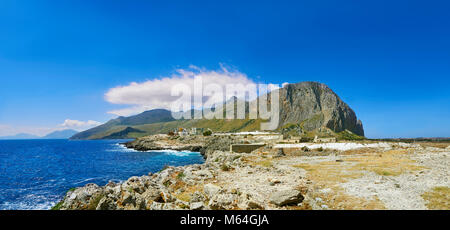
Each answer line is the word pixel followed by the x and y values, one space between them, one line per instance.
pixel 73 64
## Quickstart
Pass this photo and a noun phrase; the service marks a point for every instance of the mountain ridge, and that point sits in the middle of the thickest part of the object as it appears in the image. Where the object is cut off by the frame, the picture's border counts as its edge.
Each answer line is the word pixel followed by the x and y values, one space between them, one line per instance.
pixel 59 134
pixel 20 136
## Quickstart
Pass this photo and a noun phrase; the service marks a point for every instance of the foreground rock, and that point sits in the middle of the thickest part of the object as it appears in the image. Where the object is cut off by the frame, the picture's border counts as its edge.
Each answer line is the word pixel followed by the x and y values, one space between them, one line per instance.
pixel 199 187
pixel 389 175
pixel 286 197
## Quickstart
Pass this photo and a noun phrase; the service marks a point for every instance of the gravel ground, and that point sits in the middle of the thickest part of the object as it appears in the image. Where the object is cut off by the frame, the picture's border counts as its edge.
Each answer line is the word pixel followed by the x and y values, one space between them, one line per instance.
pixel 396 192
pixel 404 191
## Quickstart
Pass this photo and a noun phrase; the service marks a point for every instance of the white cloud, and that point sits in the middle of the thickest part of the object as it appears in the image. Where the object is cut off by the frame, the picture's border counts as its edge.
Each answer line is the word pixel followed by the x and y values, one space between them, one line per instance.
pixel 156 93
pixel 75 124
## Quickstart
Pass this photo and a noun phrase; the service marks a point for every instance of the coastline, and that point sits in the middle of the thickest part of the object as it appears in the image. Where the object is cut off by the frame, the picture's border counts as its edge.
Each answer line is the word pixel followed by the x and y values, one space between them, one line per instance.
pixel 263 179
pixel 195 187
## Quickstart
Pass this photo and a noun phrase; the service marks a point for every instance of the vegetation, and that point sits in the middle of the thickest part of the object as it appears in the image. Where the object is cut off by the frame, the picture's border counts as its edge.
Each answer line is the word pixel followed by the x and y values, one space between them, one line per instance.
pixel 58 205
pixel 328 175
pixel 313 123
pixel 93 202
pixel 216 125
pixel 265 163
pixel 125 133
pixel 225 167
pixel 207 133
pixel 390 163
pixel 438 198
pixel 349 136
pixel 180 175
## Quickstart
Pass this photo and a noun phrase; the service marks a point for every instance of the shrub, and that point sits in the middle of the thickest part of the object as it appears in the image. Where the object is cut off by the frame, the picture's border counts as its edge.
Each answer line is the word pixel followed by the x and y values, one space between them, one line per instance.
pixel 94 201
pixel 180 175
pixel 58 205
pixel 225 167
pixel 207 133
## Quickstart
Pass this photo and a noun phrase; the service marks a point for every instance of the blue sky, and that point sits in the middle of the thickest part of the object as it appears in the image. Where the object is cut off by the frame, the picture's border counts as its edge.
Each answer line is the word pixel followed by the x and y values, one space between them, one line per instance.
pixel 389 60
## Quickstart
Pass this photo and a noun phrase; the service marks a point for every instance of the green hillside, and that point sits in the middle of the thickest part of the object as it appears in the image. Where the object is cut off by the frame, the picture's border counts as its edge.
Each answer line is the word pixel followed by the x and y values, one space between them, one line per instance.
pixel 216 125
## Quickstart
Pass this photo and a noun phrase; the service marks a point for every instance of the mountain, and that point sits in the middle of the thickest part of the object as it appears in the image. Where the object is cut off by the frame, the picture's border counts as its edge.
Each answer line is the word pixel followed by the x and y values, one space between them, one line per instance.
pixel 306 109
pixel 20 136
pixel 314 106
pixel 124 134
pixel 116 125
pixel 63 134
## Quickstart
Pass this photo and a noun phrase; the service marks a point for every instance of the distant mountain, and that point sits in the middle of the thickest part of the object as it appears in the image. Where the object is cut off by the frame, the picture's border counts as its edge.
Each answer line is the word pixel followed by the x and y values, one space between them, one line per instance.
pixel 120 123
pixel 63 134
pixel 315 109
pixel 306 109
pixel 20 136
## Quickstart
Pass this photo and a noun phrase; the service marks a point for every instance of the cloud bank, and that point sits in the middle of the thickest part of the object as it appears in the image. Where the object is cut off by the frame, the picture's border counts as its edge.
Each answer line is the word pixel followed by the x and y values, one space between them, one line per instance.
pixel 10 130
pixel 156 93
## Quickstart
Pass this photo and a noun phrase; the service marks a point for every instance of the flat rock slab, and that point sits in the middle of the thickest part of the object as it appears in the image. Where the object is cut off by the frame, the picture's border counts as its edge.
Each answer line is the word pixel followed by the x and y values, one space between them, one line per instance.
pixel 286 197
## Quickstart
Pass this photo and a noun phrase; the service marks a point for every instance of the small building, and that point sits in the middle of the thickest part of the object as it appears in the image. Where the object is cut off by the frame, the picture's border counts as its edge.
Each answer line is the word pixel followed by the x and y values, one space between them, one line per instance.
pixel 196 131
pixel 245 148
pixel 256 135
pixel 183 132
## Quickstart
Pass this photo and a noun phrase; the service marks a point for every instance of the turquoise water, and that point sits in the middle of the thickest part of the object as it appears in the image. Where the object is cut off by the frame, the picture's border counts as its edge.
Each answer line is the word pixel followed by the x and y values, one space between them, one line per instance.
pixel 35 174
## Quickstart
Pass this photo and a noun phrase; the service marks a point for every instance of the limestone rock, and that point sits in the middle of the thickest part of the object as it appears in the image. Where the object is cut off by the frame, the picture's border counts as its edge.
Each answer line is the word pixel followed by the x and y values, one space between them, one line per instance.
pixel 211 190
pixel 106 204
pixel 222 201
pixel 286 197
pixel 316 106
pixel 197 197
pixel 197 206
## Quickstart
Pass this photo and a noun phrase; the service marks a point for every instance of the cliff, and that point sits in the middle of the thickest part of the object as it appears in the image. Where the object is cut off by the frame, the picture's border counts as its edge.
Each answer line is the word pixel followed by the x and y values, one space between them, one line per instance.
pixel 314 105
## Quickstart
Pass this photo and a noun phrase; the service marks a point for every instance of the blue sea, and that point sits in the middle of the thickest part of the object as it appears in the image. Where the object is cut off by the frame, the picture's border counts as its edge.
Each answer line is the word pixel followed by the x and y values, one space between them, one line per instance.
pixel 36 174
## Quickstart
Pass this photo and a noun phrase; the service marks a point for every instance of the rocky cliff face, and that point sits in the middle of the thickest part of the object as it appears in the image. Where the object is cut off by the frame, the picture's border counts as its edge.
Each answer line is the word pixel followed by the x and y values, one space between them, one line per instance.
pixel 314 105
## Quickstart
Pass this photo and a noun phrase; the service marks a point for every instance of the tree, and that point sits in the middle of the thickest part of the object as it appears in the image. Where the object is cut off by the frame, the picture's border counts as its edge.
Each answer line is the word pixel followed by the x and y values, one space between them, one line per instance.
pixel 207 133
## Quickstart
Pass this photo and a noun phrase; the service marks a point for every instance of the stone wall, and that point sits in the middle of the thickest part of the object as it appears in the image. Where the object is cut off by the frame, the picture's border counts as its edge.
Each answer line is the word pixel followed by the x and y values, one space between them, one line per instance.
pixel 245 148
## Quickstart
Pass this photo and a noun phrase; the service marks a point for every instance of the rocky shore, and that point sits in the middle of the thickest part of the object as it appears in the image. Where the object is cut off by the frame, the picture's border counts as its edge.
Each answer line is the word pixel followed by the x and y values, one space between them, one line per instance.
pixel 365 178
pixel 165 142
pixel 199 186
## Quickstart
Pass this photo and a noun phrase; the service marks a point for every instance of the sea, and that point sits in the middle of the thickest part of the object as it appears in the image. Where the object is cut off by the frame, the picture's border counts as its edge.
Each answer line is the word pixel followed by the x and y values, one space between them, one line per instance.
pixel 36 174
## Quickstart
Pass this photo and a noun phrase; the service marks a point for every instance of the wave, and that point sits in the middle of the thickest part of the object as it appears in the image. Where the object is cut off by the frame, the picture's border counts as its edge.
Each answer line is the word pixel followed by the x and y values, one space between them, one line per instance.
pixel 85 180
pixel 30 202
pixel 181 153
pixel 122 148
